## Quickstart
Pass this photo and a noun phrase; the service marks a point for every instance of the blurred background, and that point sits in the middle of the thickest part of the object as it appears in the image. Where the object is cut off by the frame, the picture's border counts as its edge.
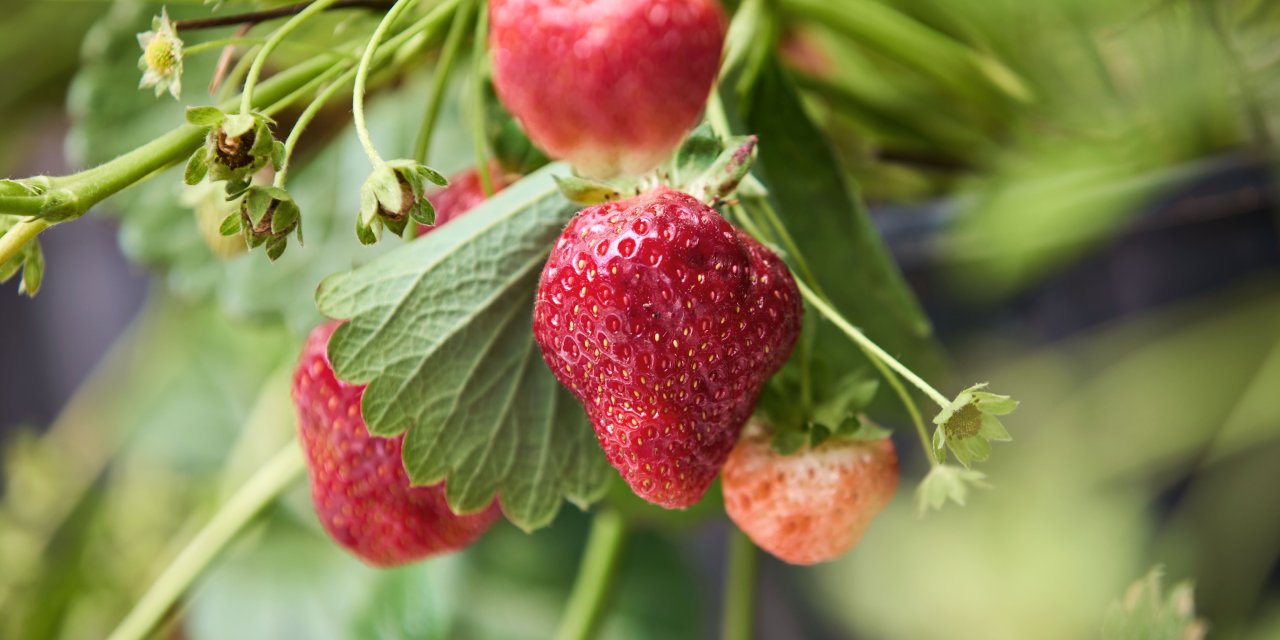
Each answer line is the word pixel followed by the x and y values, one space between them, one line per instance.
pixel 1081 193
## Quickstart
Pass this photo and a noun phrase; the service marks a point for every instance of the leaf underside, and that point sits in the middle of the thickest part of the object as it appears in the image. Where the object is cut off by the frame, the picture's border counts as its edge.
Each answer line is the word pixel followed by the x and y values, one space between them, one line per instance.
pixel 440 331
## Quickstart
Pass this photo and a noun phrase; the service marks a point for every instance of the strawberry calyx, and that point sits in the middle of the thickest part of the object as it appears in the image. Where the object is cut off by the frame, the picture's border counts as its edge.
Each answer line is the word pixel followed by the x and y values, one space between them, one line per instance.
pixel 801 419
pixel 394 194
pixel 236 147
pixel 969 425
pixel 266 215
pixel 705 166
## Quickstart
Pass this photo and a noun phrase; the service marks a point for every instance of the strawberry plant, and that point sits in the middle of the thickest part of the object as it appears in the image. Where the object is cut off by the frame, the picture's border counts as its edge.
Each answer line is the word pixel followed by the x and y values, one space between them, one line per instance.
pixel 651 269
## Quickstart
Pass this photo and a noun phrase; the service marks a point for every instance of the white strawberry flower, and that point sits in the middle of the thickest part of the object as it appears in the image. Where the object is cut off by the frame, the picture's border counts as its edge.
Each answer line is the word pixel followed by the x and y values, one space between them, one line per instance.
pixel 161 61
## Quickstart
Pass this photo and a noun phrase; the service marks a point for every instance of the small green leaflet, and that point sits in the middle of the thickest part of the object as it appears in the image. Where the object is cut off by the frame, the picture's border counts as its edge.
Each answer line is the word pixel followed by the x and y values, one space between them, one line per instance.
pixel 440 331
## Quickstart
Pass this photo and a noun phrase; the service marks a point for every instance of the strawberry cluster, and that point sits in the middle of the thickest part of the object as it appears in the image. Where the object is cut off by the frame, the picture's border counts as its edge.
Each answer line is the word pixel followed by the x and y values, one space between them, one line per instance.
pixel 662 318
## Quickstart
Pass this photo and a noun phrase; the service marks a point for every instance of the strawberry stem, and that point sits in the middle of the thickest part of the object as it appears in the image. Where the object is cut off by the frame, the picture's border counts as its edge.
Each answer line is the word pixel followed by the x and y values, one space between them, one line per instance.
pixel 738 613
pixel 265 486
pixel 362 80
pixel 274 40
pixel 591 588
pixel 478 51
pixel 306 117
pixel 440 80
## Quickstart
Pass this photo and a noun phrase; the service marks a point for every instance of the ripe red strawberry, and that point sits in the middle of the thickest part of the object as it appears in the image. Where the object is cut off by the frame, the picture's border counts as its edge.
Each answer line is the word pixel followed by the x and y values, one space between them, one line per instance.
pixel 463 194
pixel 358 484
pixel 665 322
pixel 811 506
pixel 611 86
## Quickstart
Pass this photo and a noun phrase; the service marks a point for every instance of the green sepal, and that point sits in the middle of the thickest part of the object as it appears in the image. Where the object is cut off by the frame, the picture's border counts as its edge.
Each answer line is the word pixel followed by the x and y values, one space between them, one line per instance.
pixel 276 247
pixel 230 225
pixel 789 441
pixel 1146 611
pixel 947 483
pixel 205 116
pixel 382 198
pixel 32 270
pixel 277 155
pixel 586 191
pixel 234 126
pixel 851 395
pixel 367 233
pixel 236 187
pixel 698 151
pixel 197 167
pixel 721 178
pixel 424 212
pixel 285 217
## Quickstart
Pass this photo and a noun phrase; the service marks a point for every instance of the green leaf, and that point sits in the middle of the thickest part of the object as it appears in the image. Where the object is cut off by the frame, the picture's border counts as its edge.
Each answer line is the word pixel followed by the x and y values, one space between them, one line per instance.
pixel 841 247
pixel 205 116
pixel 789 441
pixel 440 333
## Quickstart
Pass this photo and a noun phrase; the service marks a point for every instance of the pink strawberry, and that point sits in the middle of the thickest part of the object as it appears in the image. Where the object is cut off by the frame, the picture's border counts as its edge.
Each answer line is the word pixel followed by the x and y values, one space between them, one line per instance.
pixel 813 505
pixel 665 322
pixel 612 86
pixel 358 483
pixel 463 194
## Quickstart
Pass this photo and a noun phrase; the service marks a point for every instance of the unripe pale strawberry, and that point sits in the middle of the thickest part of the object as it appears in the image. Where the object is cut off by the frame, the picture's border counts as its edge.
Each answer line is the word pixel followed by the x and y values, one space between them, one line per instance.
pixel 611 86
pixel 665 322
pixel 813 505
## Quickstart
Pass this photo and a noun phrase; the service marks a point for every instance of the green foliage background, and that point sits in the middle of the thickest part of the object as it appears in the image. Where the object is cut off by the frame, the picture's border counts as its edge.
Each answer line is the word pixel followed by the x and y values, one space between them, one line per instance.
pixel 1154 440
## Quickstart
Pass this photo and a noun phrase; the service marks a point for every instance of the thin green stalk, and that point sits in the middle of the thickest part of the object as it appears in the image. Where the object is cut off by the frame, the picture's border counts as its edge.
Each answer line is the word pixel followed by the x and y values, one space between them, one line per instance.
pixel 478 51
pixel 362 80
pixel 305 118
pixel 739 609
pixel 595 577
pixel 214 45
pixel 263 488
pixel 439 83
pixel 274 40
pixel 16 238
pixel 859 338
pixel 788 242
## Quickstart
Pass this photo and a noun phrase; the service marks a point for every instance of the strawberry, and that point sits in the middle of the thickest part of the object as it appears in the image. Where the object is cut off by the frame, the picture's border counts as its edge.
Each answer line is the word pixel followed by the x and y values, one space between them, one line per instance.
pixel 665 322
pixel 611 86
pixel 810 506
pixel 358 483
pixel 463 194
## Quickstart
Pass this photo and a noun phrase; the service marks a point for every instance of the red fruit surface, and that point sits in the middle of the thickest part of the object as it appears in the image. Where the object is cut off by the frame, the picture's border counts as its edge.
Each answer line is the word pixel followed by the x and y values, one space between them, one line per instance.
pixel 462 195
pixel 612 86
pixel 358 483
pixel 665 322
pixel 811 506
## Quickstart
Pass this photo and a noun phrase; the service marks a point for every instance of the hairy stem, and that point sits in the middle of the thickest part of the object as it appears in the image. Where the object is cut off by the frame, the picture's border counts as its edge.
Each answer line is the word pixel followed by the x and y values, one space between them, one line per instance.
pixel 440 81
pixel 362 80
pixel 738 613
pixel 305 118
pixel 871 347
pixel 263 488
pixel 274 40
pixel 595 577
pixel 478 52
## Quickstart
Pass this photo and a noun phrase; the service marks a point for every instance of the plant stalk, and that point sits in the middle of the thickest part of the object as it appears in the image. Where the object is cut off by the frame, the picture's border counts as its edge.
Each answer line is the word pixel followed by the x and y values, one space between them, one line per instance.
pixel 595 577
pixel 738 613
pixel 264 487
